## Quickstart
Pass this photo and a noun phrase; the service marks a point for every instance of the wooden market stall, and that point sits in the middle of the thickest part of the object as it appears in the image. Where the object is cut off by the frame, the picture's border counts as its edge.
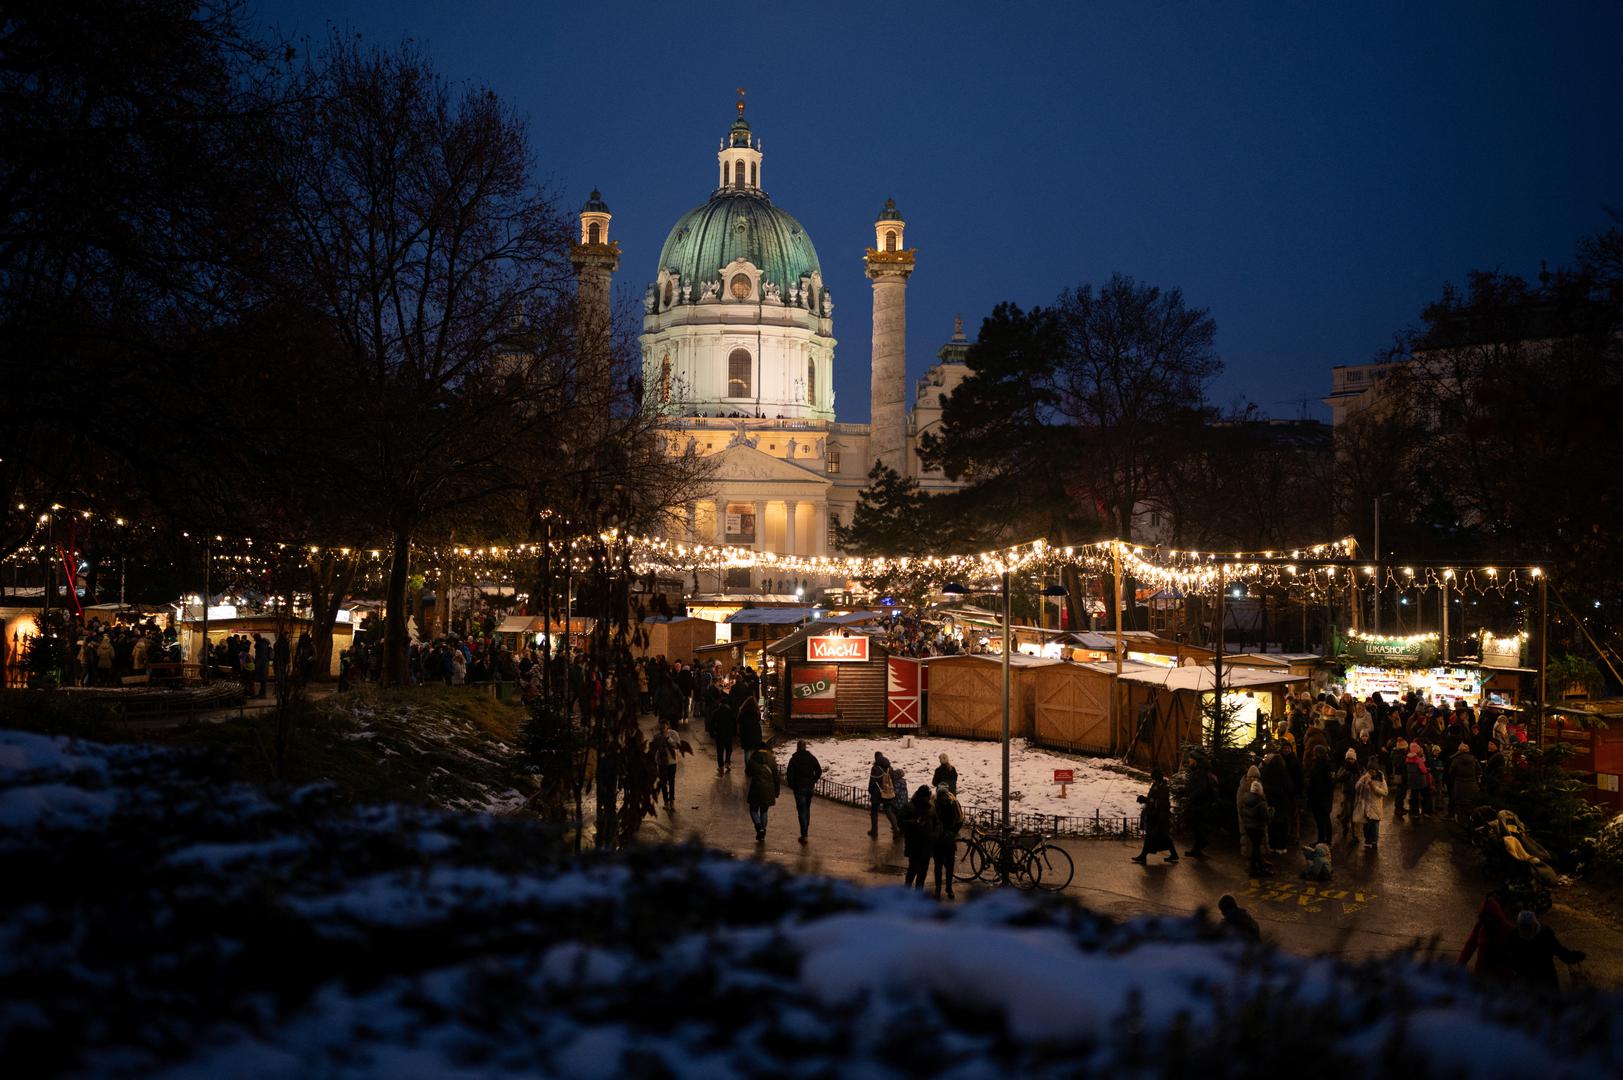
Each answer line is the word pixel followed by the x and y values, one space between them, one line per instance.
pixel 1071 707
pixel 675 637
pixel 966 695
pixel 830 678
pixel 1165 708
pixel 1594 730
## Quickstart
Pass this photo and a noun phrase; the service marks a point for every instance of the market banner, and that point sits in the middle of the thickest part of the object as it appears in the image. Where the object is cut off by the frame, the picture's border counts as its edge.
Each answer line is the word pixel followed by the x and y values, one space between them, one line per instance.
pixel 811 689
pixel 838 648
pixel 902 683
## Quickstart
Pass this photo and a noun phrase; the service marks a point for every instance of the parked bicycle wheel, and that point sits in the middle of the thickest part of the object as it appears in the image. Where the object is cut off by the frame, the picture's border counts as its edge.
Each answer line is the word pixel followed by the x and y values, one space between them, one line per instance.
pixel 969 859
pixel 1058 869
pixel 1025 869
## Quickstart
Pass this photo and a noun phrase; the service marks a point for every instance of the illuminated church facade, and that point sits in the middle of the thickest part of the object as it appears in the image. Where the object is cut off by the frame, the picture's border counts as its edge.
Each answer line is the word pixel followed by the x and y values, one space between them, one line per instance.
pixel 738 351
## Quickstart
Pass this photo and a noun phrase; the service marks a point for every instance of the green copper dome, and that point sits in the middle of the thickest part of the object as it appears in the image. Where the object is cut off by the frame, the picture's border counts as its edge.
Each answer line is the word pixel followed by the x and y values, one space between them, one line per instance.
pixel 739 224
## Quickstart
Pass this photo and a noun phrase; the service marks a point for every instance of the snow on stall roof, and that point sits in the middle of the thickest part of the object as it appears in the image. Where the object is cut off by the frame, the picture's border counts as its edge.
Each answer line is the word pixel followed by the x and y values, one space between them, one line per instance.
pixel 1019 660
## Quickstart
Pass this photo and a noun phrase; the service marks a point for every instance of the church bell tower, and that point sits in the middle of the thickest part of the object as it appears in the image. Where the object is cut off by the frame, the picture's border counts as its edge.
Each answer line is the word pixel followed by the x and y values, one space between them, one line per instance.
pixel 889 264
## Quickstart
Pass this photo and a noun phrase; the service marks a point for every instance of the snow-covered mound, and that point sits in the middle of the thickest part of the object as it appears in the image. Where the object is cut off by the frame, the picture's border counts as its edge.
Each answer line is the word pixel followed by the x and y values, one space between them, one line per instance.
pixel 156 922
pixel 1101 786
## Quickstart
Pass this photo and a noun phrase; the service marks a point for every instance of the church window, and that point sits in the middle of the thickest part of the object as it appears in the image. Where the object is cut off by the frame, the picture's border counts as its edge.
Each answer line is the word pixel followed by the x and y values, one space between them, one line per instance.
pixel 740 286
pixel 738 374
pixel 811 382
pixel 668 293
pixel 833 463
pixel 738 174
pixel 593 232
pixel 890 239
pixel 665 381
pixel 753 181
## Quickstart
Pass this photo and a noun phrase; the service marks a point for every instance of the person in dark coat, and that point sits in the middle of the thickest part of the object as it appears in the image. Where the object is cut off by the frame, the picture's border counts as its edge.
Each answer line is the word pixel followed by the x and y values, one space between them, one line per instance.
pixel 1157 820
pixel 764 782
pixel 668 701
pixel 803 773
pixel 918 836
pixel 723 729
pixel 1321 790
pixel 1199 800
pixel 945 773
pixel 1238 919
pixel 1464 782
pixel 749 725
pixel 1276 781
pixel 949 819
pixel 1533 953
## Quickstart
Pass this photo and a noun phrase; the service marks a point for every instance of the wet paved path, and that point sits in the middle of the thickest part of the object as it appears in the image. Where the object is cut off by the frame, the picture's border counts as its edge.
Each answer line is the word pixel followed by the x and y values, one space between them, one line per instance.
pixel 1419 885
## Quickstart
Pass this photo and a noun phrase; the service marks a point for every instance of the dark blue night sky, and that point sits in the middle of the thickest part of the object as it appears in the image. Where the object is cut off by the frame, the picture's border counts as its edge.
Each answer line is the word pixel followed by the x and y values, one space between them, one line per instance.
pixel 1311 173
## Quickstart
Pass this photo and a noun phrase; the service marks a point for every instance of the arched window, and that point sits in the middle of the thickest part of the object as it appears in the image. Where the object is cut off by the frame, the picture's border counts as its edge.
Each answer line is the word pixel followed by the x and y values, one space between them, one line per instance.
pixel 890 239
pixel 593 232
pixel 668 292
pixel 811 382
pixel 753 181
pixel 740 287
pixel 738 175
pixel 739 368
pixel 665 380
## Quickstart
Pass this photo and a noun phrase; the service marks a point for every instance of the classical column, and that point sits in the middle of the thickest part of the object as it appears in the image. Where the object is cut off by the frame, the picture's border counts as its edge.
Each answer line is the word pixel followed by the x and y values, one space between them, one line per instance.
pixel 720 522
pixel 791 542
pixel 693 523
pixel 889 265
pixel 760 524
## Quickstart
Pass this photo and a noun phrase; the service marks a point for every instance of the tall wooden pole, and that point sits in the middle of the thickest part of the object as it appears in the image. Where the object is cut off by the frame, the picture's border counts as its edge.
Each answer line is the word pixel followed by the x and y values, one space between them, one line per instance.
pixel 1006 645
pixel 1116 689
pixel 1543 649
pixel 1218 715
pixel 1445 619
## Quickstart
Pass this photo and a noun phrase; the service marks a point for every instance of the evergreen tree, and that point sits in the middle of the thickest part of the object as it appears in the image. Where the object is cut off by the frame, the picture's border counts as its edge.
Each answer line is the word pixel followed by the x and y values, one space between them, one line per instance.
pixel 890 517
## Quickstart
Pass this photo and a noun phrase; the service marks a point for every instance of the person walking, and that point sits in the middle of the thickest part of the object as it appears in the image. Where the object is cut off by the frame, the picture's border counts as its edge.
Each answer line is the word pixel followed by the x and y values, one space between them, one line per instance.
pixel 1464 783
pixel 1199 799
pixel 723 729
pixel 1252 776
pixel 945 773
pixel 949 819
pixel 668 700
pixel 1157 820
pixel 881 794
pixel 764 781
pixel 1416 778
pixel 665 753
pixel 1370 804
pixel 803 773
pixel 918 837
pixel 749 724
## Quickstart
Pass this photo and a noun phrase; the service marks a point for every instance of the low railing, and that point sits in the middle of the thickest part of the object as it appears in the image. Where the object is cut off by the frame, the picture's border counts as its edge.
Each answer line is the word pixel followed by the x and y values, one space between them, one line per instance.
pixel 1097 826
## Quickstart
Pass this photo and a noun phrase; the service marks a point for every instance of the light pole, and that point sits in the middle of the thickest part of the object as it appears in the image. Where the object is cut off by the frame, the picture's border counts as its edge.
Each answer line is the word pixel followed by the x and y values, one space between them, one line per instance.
pixel 1380 567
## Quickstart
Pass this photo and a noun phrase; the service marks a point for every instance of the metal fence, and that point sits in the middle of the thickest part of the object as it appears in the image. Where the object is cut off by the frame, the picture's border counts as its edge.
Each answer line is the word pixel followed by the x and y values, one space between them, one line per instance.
pixel 1097 826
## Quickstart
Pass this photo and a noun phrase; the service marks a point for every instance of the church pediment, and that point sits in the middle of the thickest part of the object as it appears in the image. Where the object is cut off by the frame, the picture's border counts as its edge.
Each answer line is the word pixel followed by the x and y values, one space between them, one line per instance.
pixel 744 463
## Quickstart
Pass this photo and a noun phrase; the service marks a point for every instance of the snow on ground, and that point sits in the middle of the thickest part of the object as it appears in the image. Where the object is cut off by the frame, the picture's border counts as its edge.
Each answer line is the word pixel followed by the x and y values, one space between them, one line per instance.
pixel 1099 785
pixel 281 933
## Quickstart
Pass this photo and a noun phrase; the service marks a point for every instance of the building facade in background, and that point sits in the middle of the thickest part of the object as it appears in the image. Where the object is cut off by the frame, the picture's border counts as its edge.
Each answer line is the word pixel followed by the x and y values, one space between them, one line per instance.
pixel 738 351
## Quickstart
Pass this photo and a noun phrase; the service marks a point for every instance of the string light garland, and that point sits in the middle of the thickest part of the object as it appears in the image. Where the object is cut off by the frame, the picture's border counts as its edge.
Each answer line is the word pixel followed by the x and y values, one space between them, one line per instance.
pixel 1319 571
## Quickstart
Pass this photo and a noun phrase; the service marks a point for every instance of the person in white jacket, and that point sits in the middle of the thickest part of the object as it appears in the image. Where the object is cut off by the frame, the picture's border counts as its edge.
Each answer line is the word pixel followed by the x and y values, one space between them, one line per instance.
pixel 1370 804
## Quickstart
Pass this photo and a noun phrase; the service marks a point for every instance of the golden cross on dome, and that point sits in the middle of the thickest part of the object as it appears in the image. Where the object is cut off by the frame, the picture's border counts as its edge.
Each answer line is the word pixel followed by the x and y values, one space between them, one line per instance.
pixel 740 102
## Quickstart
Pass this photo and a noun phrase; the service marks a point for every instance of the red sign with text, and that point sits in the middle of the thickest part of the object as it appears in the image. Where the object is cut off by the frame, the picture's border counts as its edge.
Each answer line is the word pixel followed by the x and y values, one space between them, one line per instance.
pixel 1064 776
pixel 814 689
pixel 833 649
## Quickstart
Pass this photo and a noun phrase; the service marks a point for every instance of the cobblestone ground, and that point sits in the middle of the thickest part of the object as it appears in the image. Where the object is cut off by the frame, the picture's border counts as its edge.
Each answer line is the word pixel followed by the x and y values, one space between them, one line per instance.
pixel 1420 886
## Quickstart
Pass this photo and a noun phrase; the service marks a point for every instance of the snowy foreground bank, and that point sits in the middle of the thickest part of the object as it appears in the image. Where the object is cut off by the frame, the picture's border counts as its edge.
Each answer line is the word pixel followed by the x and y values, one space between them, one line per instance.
pixel 1098 786
pixel 156 922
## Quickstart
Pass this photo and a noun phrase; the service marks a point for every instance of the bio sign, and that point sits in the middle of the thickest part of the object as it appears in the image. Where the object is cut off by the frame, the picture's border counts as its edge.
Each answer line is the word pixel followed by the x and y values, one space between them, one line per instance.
pixel 833 649
pixel 813 689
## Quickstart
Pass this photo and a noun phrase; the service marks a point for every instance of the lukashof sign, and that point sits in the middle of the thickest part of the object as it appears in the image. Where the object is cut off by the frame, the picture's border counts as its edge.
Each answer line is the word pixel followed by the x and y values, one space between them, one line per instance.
pixel 832 648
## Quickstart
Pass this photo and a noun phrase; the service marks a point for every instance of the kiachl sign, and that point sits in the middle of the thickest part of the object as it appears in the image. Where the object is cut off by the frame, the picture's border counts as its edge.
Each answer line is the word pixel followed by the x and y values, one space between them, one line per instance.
pixel 835 649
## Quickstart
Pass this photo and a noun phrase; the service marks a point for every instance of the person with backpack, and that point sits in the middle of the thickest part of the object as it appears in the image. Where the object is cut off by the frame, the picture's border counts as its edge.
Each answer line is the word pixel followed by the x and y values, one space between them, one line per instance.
pixel 665 750
pixel 1371 804
pixel 764 782
pixel 918 837
pixel 803 773
pixel 749 725
pixel 949 819
pixel 881 794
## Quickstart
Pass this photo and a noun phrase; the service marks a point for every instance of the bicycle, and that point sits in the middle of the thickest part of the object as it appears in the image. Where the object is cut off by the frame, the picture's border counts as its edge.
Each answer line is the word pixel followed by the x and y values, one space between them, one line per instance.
pixel 982 858
pixel 1057 866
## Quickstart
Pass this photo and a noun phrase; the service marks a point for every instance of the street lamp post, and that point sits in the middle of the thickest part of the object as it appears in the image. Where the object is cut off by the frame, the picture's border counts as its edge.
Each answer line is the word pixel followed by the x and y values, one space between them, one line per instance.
pixel 1004 870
